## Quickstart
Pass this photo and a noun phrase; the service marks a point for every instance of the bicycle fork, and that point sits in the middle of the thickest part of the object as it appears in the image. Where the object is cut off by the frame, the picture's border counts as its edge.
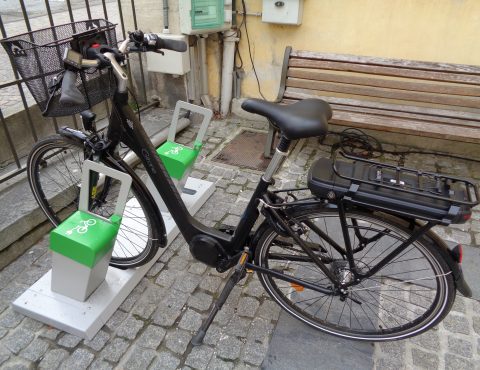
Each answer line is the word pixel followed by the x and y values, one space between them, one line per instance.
pixel 237 275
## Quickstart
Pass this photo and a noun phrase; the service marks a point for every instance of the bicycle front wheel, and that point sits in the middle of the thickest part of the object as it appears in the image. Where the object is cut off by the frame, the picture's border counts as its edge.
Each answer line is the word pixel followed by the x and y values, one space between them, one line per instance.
pixel 410 294
pixel 54 170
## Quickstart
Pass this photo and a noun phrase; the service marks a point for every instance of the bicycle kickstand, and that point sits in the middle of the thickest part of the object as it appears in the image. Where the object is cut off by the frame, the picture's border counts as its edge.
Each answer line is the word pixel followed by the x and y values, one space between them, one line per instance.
pixel 236 276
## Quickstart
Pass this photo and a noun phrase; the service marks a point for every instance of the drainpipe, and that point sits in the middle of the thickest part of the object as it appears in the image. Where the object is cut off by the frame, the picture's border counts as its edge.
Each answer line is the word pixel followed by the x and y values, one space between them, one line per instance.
pixel 229 40
pixel 202 51
pixel 165 17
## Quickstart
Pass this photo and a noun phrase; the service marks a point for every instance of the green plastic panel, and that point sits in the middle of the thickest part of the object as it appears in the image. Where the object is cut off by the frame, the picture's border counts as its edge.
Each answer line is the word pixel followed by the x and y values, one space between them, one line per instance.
pixel 85 238
pixel 177 158
pixel 207 14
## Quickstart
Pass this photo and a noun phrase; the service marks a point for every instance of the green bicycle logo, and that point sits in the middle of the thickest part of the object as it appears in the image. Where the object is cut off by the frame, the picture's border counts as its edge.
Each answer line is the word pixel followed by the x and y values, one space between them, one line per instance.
pixel 82 228
pixel 174 151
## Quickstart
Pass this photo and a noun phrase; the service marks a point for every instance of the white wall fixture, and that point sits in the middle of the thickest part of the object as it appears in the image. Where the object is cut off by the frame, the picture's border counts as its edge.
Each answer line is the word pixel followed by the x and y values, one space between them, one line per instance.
pixel 172 62
pixel 282 11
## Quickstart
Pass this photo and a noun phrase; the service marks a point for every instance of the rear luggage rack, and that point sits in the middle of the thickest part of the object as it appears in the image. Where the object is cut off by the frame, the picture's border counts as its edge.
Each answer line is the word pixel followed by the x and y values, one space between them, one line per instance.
pixel 427 184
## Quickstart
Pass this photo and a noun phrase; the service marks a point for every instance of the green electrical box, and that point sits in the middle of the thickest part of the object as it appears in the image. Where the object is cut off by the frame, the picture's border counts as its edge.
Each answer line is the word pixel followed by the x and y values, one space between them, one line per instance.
pixel 207 14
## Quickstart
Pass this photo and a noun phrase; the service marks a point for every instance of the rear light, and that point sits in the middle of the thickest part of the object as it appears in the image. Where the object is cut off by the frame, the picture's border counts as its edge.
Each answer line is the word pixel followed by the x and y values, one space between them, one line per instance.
pixel 467 216
pixel 457 253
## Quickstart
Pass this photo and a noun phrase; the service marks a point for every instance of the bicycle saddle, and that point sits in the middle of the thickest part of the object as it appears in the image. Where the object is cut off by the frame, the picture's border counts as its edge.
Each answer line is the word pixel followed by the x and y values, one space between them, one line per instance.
pixel 305 118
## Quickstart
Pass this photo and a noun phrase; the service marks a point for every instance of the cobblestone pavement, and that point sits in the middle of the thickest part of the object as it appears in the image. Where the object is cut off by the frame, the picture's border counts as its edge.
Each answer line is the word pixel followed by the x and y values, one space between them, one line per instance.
pixel 153 326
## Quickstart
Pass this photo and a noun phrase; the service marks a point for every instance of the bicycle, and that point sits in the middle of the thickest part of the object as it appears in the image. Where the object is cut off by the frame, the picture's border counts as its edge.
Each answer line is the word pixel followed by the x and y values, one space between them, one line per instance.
pixel 357 259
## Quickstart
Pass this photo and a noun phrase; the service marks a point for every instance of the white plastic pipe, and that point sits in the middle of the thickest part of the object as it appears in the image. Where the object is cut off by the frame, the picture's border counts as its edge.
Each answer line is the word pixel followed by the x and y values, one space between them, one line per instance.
pixel 202 51
pixel 229 40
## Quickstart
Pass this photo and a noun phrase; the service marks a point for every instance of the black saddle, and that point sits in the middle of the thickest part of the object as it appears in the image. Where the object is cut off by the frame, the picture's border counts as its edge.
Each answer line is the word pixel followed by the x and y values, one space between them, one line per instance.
pixel 305 118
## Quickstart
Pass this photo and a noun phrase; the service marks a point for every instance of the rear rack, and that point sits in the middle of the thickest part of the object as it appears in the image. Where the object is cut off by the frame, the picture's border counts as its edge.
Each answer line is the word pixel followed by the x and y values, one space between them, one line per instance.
pixel 427 184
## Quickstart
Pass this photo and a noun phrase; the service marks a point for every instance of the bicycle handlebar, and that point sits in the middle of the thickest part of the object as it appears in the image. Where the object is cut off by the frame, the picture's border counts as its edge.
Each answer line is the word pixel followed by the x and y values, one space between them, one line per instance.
pixel 96 54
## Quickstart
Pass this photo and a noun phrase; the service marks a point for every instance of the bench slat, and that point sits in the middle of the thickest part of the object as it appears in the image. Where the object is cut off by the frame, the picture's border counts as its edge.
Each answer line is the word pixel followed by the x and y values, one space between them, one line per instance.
pixel 388 62
pixel 426 129
pixel 386 71
pixel 470 116
pixel 386 83
pixel 384 93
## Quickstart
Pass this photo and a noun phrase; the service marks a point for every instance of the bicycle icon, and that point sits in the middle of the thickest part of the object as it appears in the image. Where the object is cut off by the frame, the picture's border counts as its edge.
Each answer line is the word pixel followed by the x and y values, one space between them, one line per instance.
pixel 83 227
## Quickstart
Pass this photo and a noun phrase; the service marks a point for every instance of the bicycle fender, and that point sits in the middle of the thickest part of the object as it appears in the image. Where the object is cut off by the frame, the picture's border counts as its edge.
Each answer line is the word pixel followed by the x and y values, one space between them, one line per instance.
pixel 460 283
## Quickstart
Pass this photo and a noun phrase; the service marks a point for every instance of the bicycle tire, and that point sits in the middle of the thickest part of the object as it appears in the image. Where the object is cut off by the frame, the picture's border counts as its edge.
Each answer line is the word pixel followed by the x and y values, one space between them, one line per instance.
pixel 396 298
pixel 54 170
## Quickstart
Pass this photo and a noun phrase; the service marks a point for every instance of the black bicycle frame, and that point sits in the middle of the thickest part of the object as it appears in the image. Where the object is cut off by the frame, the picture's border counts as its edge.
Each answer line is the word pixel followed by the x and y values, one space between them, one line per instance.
pixel 125 127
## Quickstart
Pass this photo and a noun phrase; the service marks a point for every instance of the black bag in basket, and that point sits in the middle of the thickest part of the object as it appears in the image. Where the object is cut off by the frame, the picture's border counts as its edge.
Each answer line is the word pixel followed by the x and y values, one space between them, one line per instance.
pixel 38 57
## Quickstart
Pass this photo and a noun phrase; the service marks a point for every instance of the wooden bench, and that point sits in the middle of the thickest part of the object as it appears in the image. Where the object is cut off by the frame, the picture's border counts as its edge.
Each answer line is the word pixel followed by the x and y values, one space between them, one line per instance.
pixel 434 100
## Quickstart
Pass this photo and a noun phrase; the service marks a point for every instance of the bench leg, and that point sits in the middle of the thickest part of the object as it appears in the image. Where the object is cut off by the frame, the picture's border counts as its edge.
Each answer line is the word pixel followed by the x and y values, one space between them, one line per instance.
pixel 269 143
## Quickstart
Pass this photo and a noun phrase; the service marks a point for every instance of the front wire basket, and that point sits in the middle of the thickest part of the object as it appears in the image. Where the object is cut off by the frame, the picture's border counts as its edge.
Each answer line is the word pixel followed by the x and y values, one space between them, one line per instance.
pixel 38 57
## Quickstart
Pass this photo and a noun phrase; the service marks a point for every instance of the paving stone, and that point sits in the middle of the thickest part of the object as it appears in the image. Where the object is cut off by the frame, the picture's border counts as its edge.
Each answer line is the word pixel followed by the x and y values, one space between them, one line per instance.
pixel 197 268
pixel 50 333
pixel 254 353
pixel 3 332
pixel 238 326
pixel 459 305
pixel 165 361
pixel 69 340
pixel 395 351
pixel 200 301
pixel 11 319
pixel 177 263
pixel 170 308
pixel 453 362
pixel 211 283
pixel 98 341
pixel 214 333
pixel 187 283
pixel 116 319
pixel 231 220
pixel 177 341
pixel 460 347
pixel 247 306
pixel 53 358
pixel 269 310
pixel 260 329
pixel 100 365
pixel 129 328
pixel 32 325
pixel 388 364
pixel 18 340
pixel 229 348
pixel 219 364
pixel 166 278
pixel 155 269
pixel 476 324
pixel 199 357
pixel 429 340
pixel 140 358
pixel 254 288
pixel 191 321
pixel 78 360
pixel 128 303
pixel 114 350
pixel 4 355
pixel 225 314
pixel 456 324
pixel 17 364
pixel 35 350
pixel 424 359
pixel 151 337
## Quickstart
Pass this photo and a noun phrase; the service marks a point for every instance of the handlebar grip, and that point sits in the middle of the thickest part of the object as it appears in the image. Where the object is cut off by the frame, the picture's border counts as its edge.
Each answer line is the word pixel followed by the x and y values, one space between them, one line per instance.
pixel 70 94
pixel 175 45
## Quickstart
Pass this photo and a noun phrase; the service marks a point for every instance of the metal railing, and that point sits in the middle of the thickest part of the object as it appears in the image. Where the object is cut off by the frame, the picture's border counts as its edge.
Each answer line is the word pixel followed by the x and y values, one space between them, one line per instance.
pixel 75 11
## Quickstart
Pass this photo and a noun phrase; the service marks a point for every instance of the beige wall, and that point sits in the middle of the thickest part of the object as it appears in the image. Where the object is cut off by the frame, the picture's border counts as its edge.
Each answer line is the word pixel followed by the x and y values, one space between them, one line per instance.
pixel 431 30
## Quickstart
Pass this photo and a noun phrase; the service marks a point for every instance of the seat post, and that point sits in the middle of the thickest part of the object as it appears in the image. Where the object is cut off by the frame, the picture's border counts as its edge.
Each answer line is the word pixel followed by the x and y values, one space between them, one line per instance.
pixel 281 152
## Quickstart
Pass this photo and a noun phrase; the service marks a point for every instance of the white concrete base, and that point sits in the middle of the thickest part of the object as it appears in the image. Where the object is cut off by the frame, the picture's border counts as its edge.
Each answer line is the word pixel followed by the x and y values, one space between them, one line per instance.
pixel 85 319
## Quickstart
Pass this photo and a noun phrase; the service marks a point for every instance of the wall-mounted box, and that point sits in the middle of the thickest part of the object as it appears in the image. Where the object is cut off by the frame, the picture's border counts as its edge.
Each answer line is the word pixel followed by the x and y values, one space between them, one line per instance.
pixel 282 11
pixel 172 62
pixel 204 16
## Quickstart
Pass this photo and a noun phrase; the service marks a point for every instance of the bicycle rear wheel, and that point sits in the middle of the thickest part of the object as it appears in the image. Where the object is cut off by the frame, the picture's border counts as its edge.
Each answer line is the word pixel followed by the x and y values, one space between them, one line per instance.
pixel 54 169
pixel 406 297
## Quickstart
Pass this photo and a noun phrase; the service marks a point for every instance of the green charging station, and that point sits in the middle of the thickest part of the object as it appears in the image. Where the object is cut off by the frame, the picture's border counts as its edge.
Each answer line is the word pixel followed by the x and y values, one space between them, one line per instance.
pixel 82 244
pixel 179 159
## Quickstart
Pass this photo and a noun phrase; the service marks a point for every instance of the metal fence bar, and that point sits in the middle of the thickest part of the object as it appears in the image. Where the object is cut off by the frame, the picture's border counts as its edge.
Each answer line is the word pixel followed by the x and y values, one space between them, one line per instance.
pixel 104 4
pixel 89 13
pixel 20 89
pixel 9 139
pixel 50 18
pixel 142 75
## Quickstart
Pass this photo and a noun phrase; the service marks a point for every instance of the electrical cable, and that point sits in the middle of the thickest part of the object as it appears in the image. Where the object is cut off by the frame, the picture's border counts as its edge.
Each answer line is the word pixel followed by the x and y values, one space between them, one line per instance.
pixel 357 143
pixel 244 21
